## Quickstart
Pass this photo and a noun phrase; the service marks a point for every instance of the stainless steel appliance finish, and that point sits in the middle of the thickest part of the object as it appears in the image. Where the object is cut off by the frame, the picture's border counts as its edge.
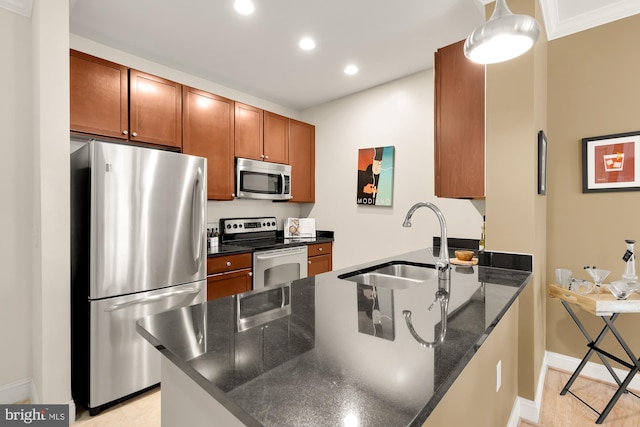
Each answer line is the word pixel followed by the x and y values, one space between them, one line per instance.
pixel 262 180
pixel 276 266
pixel 138 237
pixel 274 261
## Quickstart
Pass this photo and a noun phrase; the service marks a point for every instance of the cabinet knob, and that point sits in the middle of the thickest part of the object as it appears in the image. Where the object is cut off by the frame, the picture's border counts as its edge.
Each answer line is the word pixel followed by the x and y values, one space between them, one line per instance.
pixel 134 134
pixel 309 262
pixel 266 157
pixel 125 132
pixel 250 274
pixel 262 156
pixel 319 249
pixel 228 263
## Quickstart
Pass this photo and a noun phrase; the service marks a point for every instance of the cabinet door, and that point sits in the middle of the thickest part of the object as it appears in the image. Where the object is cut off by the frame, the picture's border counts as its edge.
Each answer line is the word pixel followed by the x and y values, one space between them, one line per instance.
pixel 459 124
pixel 208 132
pixel 319 264
pixel 226 284
pixel 249 136
pixel 155 110
pixel 276 138
pixel 98 96
pixel 302 158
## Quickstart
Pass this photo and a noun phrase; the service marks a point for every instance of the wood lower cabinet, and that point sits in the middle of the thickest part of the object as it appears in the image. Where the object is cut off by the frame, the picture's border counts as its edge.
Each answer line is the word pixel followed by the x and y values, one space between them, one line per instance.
pixel 208 129
pixel 320 258
pixel 111 100
pixel 459 124
pixel 228 275
pixel 302 158
pixel 99 96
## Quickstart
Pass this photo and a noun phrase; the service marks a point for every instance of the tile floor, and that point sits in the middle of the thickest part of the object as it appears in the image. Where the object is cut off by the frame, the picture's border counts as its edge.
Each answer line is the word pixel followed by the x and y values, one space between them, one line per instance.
pixel 141 411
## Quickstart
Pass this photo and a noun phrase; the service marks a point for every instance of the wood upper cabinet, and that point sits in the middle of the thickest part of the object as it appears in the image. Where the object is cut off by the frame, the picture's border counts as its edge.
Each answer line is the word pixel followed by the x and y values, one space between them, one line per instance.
pixel 459 124
pixel 302 157
pixel 108 99
pixel 208 128
pixel 249 132
pixel 276 138
pixel 155 114
pixel 261 135
pixel 99 96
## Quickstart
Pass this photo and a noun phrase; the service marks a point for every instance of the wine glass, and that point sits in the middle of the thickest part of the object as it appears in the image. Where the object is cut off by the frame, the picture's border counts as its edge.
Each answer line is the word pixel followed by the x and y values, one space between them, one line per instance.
pixel 598 275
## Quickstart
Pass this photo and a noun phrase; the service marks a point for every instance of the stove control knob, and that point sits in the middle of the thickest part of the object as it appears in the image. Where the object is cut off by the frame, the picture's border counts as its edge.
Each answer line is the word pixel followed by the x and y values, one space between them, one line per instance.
pixel 235 225
pixel 240 225
pixel 228 226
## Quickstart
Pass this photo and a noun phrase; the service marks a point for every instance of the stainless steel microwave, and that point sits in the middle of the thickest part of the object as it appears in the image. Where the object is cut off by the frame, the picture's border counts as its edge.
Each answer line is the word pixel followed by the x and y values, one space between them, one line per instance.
pixel 262 180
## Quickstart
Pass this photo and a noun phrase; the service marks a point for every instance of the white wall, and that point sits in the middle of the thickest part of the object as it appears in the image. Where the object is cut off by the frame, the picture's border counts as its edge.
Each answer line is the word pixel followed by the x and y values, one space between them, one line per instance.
pixel 16 209
pixel 399 113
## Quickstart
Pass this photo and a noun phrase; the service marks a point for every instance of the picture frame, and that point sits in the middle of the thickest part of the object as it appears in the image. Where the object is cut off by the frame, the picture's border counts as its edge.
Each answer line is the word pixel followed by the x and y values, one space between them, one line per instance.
pixel 542 163
pixel 609 163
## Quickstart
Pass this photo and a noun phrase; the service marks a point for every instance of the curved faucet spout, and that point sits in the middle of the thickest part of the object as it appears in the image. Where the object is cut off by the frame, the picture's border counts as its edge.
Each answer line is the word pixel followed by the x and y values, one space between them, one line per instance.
pixel 443 260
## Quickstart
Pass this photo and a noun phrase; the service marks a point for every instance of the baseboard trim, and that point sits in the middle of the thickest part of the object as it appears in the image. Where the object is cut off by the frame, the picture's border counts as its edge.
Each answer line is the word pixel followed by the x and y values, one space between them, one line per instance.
pixel 25 391
pixel 530 410
pixel 592 370
pixel 17 391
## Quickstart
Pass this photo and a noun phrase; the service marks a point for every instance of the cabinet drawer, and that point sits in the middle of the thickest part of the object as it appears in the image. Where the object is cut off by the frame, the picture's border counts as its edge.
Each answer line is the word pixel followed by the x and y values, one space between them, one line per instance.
pixel 226 284
pixel 319 264
pixel 319 249
pixel 221 264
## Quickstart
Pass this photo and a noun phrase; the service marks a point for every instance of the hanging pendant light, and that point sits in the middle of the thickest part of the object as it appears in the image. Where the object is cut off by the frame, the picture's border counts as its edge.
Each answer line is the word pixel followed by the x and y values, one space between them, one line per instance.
pixel 503 37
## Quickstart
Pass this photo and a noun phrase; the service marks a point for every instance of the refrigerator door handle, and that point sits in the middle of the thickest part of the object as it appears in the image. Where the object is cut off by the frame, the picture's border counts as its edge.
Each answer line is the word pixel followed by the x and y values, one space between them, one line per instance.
pixel 153 298
pixel 197 208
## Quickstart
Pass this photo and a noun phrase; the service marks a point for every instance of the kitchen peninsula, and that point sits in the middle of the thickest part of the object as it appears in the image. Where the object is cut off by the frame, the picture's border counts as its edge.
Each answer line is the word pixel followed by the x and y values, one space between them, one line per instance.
pixel 329 351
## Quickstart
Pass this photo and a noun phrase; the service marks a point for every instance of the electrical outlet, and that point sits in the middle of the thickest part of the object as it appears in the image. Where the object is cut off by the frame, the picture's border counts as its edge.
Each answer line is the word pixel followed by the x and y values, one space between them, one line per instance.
pixel 498 375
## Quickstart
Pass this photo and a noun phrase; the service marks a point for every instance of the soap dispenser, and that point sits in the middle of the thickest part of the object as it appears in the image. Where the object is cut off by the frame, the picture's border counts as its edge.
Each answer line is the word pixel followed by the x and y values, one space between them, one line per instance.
pixel 629 257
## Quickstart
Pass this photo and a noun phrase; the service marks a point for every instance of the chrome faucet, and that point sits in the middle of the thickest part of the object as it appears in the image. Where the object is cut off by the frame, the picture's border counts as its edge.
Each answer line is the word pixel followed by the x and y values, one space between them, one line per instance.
pixel 442 263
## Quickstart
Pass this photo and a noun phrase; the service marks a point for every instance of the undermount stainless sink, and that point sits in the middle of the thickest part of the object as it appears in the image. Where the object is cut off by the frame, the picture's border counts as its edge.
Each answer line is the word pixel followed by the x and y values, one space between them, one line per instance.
pixel 392 275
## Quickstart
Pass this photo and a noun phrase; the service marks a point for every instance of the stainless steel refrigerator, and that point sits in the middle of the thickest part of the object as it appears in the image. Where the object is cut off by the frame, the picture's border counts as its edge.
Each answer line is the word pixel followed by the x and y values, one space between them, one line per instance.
pixel 138 247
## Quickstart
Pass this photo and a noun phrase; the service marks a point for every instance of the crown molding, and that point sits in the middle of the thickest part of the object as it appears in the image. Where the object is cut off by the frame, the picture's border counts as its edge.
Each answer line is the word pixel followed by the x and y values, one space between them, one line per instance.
pixel 559 27
pixel 22 7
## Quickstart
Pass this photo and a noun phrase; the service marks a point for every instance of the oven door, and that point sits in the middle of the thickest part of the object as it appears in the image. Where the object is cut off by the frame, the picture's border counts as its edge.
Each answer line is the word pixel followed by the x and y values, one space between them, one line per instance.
pixel 277 266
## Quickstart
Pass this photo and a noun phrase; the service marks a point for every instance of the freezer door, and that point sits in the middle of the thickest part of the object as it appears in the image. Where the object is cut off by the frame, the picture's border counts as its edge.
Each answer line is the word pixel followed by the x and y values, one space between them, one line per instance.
pixel 121 361
pixel 148 219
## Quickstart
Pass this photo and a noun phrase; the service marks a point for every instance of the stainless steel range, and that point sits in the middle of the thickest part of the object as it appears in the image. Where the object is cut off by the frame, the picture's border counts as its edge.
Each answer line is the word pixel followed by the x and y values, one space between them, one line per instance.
pixel 275 260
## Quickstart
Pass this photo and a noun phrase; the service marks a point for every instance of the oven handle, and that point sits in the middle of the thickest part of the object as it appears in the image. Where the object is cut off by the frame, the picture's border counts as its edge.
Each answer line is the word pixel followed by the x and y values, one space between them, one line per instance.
pixel 280 254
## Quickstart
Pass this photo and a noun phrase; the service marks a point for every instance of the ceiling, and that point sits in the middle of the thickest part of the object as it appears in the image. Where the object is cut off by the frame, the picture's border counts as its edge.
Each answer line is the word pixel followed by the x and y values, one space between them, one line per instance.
pixel 259 55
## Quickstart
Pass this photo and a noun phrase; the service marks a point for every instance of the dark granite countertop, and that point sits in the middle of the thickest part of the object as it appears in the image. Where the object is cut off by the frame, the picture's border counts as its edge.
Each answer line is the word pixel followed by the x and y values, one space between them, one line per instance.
pixel 280 242
pixel 335 349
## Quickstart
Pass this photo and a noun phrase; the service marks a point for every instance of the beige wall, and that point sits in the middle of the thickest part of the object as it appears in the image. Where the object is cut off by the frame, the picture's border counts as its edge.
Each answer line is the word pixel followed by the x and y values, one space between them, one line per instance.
pixel 594 89
pixel 516 214
pixel 473 400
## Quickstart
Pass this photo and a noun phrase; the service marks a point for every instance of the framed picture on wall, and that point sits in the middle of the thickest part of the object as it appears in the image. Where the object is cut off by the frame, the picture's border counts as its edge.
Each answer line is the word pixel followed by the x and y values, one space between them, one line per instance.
pixel 375 176
pixel 609 163
pixel 542 163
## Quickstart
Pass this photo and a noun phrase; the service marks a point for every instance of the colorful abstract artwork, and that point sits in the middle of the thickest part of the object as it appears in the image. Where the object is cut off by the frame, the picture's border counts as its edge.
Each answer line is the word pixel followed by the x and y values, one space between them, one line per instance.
pixel 375 176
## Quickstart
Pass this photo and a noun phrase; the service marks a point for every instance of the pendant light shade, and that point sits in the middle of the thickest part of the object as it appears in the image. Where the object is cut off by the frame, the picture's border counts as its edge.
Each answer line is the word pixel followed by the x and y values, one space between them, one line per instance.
pixel 503 37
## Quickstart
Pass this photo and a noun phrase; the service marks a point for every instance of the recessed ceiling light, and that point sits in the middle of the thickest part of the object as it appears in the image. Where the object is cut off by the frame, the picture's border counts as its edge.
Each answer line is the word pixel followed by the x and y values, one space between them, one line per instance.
pixel 244 7
pixel 307 44
pixel 350 70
